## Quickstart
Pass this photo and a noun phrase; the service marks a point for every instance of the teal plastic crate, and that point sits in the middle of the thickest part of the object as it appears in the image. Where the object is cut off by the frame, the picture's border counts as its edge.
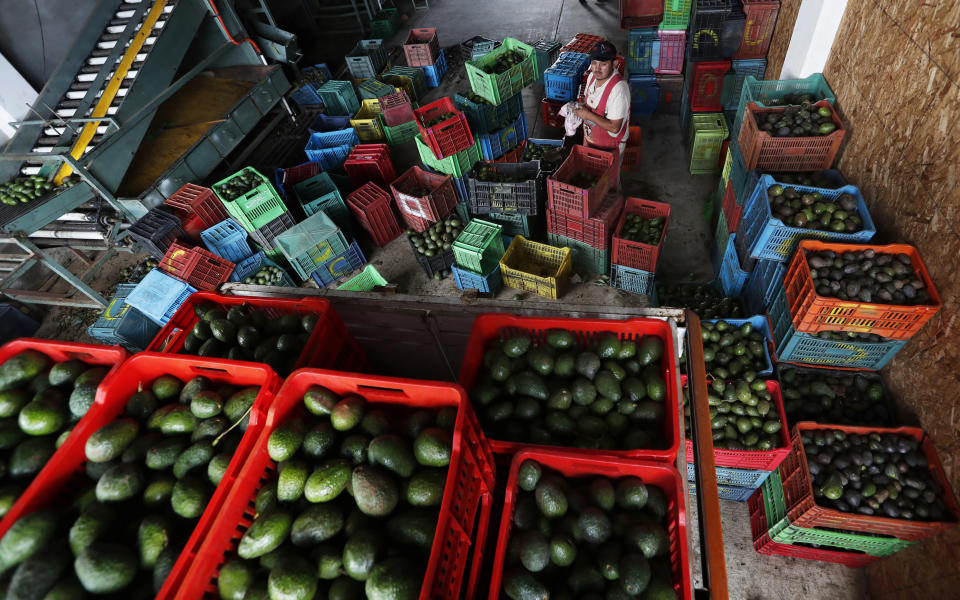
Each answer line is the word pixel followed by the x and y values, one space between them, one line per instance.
pixel 729 493
pixel 742 478
pixel 733 81
pixel 319 193
pixel 583 257
pixel 309 245
pixel 631 280
pixel 339 98
pixel 489 284
pixel 726 266
pixel 772 92
pixel 122 324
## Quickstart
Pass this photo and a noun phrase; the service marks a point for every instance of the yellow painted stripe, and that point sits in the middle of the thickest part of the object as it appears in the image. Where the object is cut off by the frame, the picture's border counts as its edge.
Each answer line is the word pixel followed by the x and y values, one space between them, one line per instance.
pixel 110 92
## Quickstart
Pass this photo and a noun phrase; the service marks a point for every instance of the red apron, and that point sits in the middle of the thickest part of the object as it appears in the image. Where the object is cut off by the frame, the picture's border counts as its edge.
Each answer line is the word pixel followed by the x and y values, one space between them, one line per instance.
pixel 594 135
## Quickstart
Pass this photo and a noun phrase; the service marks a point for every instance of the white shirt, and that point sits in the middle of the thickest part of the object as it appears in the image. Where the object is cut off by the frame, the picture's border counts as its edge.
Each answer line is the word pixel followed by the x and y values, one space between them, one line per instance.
pixel 618 104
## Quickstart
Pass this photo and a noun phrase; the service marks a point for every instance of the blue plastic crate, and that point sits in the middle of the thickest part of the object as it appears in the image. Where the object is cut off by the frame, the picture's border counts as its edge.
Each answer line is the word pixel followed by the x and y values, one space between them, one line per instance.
pixel 331 148
pixel 768 237
pixel 227 239
pixel 122 324
pixel 643 51
pixel 644 94
pixel 766 277
pixel 741 478
pixel 252 266
pixel 325 123
pixel 759 323
pixel 467 280
pixel 730 493
pixel 436 72
pixel 15 324
pixel 158 296
pixel 798 347
pixel 562 79
pixel 496 144
pixel 726 266
pixel 463 190
pixel 733 81
pixel 631 280
pixel 340 266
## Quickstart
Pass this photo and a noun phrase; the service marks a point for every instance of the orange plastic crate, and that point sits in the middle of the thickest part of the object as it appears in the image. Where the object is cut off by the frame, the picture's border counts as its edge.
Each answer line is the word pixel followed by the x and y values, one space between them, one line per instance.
pixel 569 199
pixel 813 313
pixel 595 231
pixel 803 510
pixel 637 255
pixel 460 534
pixel 786 154
pixel 200 268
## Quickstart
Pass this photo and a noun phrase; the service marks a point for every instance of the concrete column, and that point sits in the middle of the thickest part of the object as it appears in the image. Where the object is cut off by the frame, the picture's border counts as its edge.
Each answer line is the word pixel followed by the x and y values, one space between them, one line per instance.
pixel 813 35
pixel 16 97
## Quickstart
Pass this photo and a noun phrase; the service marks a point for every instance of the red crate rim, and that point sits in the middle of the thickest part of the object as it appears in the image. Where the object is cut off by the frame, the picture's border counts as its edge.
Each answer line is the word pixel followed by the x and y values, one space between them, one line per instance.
pixel 631 202
pixel 574 464
pixel 753 108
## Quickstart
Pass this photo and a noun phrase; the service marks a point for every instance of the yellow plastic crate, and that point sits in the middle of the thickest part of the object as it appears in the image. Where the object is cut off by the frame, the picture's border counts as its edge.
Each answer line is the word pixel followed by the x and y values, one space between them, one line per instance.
pixel 367 122
pixel 727 165
pixel 535 267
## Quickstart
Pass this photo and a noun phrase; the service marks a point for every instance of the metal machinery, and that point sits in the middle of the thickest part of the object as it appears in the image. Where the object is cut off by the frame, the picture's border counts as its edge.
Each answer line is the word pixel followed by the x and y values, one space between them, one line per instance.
pixel 100 120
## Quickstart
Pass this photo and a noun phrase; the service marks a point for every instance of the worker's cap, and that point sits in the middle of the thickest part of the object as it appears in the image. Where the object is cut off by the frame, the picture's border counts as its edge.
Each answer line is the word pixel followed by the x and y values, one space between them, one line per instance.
pixel 603 51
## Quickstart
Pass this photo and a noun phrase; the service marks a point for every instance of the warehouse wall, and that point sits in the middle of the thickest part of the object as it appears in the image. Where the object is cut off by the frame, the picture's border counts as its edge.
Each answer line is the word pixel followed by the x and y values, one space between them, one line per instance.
pixel 782 33
pixel 895 69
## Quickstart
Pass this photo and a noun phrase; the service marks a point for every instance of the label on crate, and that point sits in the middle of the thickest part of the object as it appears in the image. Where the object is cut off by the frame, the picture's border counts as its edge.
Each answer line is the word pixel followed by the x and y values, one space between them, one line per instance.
pixel 414 206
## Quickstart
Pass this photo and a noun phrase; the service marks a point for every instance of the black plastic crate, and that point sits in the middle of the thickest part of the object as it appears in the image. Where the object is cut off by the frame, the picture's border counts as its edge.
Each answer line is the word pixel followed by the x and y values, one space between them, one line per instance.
pixel 505 197
pixel 433 264
pixel 707 21
pixel 266 234
pixel 156 231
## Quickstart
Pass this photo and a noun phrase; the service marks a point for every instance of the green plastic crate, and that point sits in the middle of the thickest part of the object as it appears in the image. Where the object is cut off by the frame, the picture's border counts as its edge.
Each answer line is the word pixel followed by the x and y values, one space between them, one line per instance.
pixel 707 133
pixel 512 223
pixel 364 281
pixel 479 247
pixel 308 245
pixel 339 98
pixel 676 14
pixel 401 133
pixel 783 532
pixel 722 233
pixel 584 257
pixel 499 88
pixel 384 24
pixel 371 89
pixel 256 208
pixel 456 165
pixel 319 193
pixel 413 80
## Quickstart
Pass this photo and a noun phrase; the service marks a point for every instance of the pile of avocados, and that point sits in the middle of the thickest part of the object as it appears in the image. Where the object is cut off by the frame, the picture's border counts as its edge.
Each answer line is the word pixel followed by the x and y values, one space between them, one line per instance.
pixel 811 210
pixel 249 333
pixel 882 474
pixel 40 401
pixel 805 120
pixel 609 394
pixel 642 230
pixel 505 61
pixel 118 528
pixel 867 276
pixel 550 157
pixel 353 508
pixel 701 298
pixel 732 350
pixel 743 415
pixel 239 184
pixel 834 397
pixel 587 538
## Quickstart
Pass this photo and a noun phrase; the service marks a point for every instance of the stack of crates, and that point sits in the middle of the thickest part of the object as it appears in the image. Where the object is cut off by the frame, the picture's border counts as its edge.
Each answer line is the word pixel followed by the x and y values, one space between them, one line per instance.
pixel 644 94
pixel 310 245
pixel 547 53
pixel 562 79
pixel 716 29
pixel 366 122
pixel 396 115
pixel 366 59
pixel 370 162
pixel 385 23
pixel 443 128
pixel 374 89
pixel 583 219
pixel 197 208
pixel 373 208
pixel 412 80
pixel 705 139
pixel 477 252
pixel 498 128
pixel 306 86
pixel 122 324
pixel 330 148
pixel 634 264
pixel 419 211
pixel 260 211
pixel 157 230
pixel 319 193
pixel 434 74
pixel 643 51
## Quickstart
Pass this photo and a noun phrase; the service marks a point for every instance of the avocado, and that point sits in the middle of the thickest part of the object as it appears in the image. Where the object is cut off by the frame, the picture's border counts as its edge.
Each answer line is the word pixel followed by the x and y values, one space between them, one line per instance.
pixel 10 434
pixel 285 440
pixel 30 455
pixel 293 579
pixel 550 498
pixel 515 346
pixel 68 588
pixel 178 420
pixel 120 482
pixel 519 584
pixel 319 441
pixel 21 368
pixel 594 525
pixel 238 406
pixel 164 454
pixel 649 538
pixel 105 568
pixel 347 413
pixel 318 523
pixel 329 559
pixel 393 453
pixel 217 468
pixel 415 528
pixel 153 537
pixel 11 401
pixel 426 487
pixel 89 526
pixel 608 386
pixel 394 579
pixel 291 481
pixel 560 339
pixel 360 553
pixel 234 579
pixel 587 364
pixel 209 428
pixel 35 576
pixel 354 447
pixel 528 475
pixel 65 373
pixel 602 493
pixel 205 405
pixel 158 491
pixel 374 490
pixel 266 533
pixel 189 497
pixel 44 415
pixel 658 589
pixel 26 536
pixel 196 456
pixel 650 350
pixel 634 573
pixel 166 387
pixel 631 493
pixel 319 400
pixel 81 399
pixel 534 549
pixel 433 447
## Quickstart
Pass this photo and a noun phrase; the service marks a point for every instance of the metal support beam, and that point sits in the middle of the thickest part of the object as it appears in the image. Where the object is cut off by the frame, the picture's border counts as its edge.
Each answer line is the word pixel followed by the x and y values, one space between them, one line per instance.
pixel 94 300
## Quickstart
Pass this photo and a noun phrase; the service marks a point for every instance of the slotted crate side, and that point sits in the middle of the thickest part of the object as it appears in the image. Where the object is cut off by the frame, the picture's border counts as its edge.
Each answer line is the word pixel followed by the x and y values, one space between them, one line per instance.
pixel 631 280
pixel 424 210
pixel 266 236
pixel 596 231
pixel 749 479
pixel 784 154
pixel 765 279
pixel 366 122
pixel 203 270
pixel 449 135
pixel 563 77
pixel 227 239
pixel 467 280
pixel 372 207
pixel 255 208
pixel 364 281
pixel 707 134
pixel 583 257
pixel 637 255
pixel 579 202
pixel 761 19
pixel 498 143
pixel 339 98
pixel 308 245
pixel 156 230
pixel 121 324
pixel 734 80
pixel 671 52
pixel 640 13
pixel 396 109
pixel 485 118
pixel 366 59
pixel 706 84
pixel 422 47
pixel 643 51
pixel 435 73
pixel 644 94
pixel 727 268
pixel 479 247
pixel 525 254
pixel 676 14
pixel 195 201
pixel 457 165
pixel 340 266
pixel 547 53
pixel 769 92
pixel 496 88
pixel 158 296
pixel 504 197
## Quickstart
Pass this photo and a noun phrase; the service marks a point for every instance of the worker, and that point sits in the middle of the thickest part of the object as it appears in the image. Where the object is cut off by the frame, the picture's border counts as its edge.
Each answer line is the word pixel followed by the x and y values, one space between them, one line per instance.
pixel 606 105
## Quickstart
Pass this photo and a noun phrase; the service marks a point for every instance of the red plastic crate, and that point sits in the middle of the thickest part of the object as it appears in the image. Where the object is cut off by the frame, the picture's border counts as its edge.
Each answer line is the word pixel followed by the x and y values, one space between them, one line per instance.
pixel 634 150
pixel 758 31
pixel 571 200
pixel 582 42
pixel 419 212
pixel 574 464
pixel 490 327
pixel 469 487
pixel 764 545
pixel 673 44
pixel 200 268
pixel 396 109
pixel 53 483
pixel 761 460
pixel 771 154
pixel 422 47
pixel 329 346
pixel 293 175
pixel 813 313
pixel 447 137
pixel 707 83
pixel 372 207
pixel 640 13
pixel 513 156
pixel 595 231
pixel 370 162
pixel 550 111
pixel 803 511
pixel 197 207
pixel 637 255
pixel 731 210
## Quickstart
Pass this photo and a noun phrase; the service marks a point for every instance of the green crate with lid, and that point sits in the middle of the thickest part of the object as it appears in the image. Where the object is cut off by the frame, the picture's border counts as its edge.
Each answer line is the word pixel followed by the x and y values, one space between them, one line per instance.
pixel 307 246
pixel 254 208
pixel 479 247
pixel 707 133
pixel 385 23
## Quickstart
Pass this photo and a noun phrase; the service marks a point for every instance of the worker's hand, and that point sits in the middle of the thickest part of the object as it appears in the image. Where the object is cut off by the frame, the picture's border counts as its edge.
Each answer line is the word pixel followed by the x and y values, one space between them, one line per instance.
pixel 584 113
